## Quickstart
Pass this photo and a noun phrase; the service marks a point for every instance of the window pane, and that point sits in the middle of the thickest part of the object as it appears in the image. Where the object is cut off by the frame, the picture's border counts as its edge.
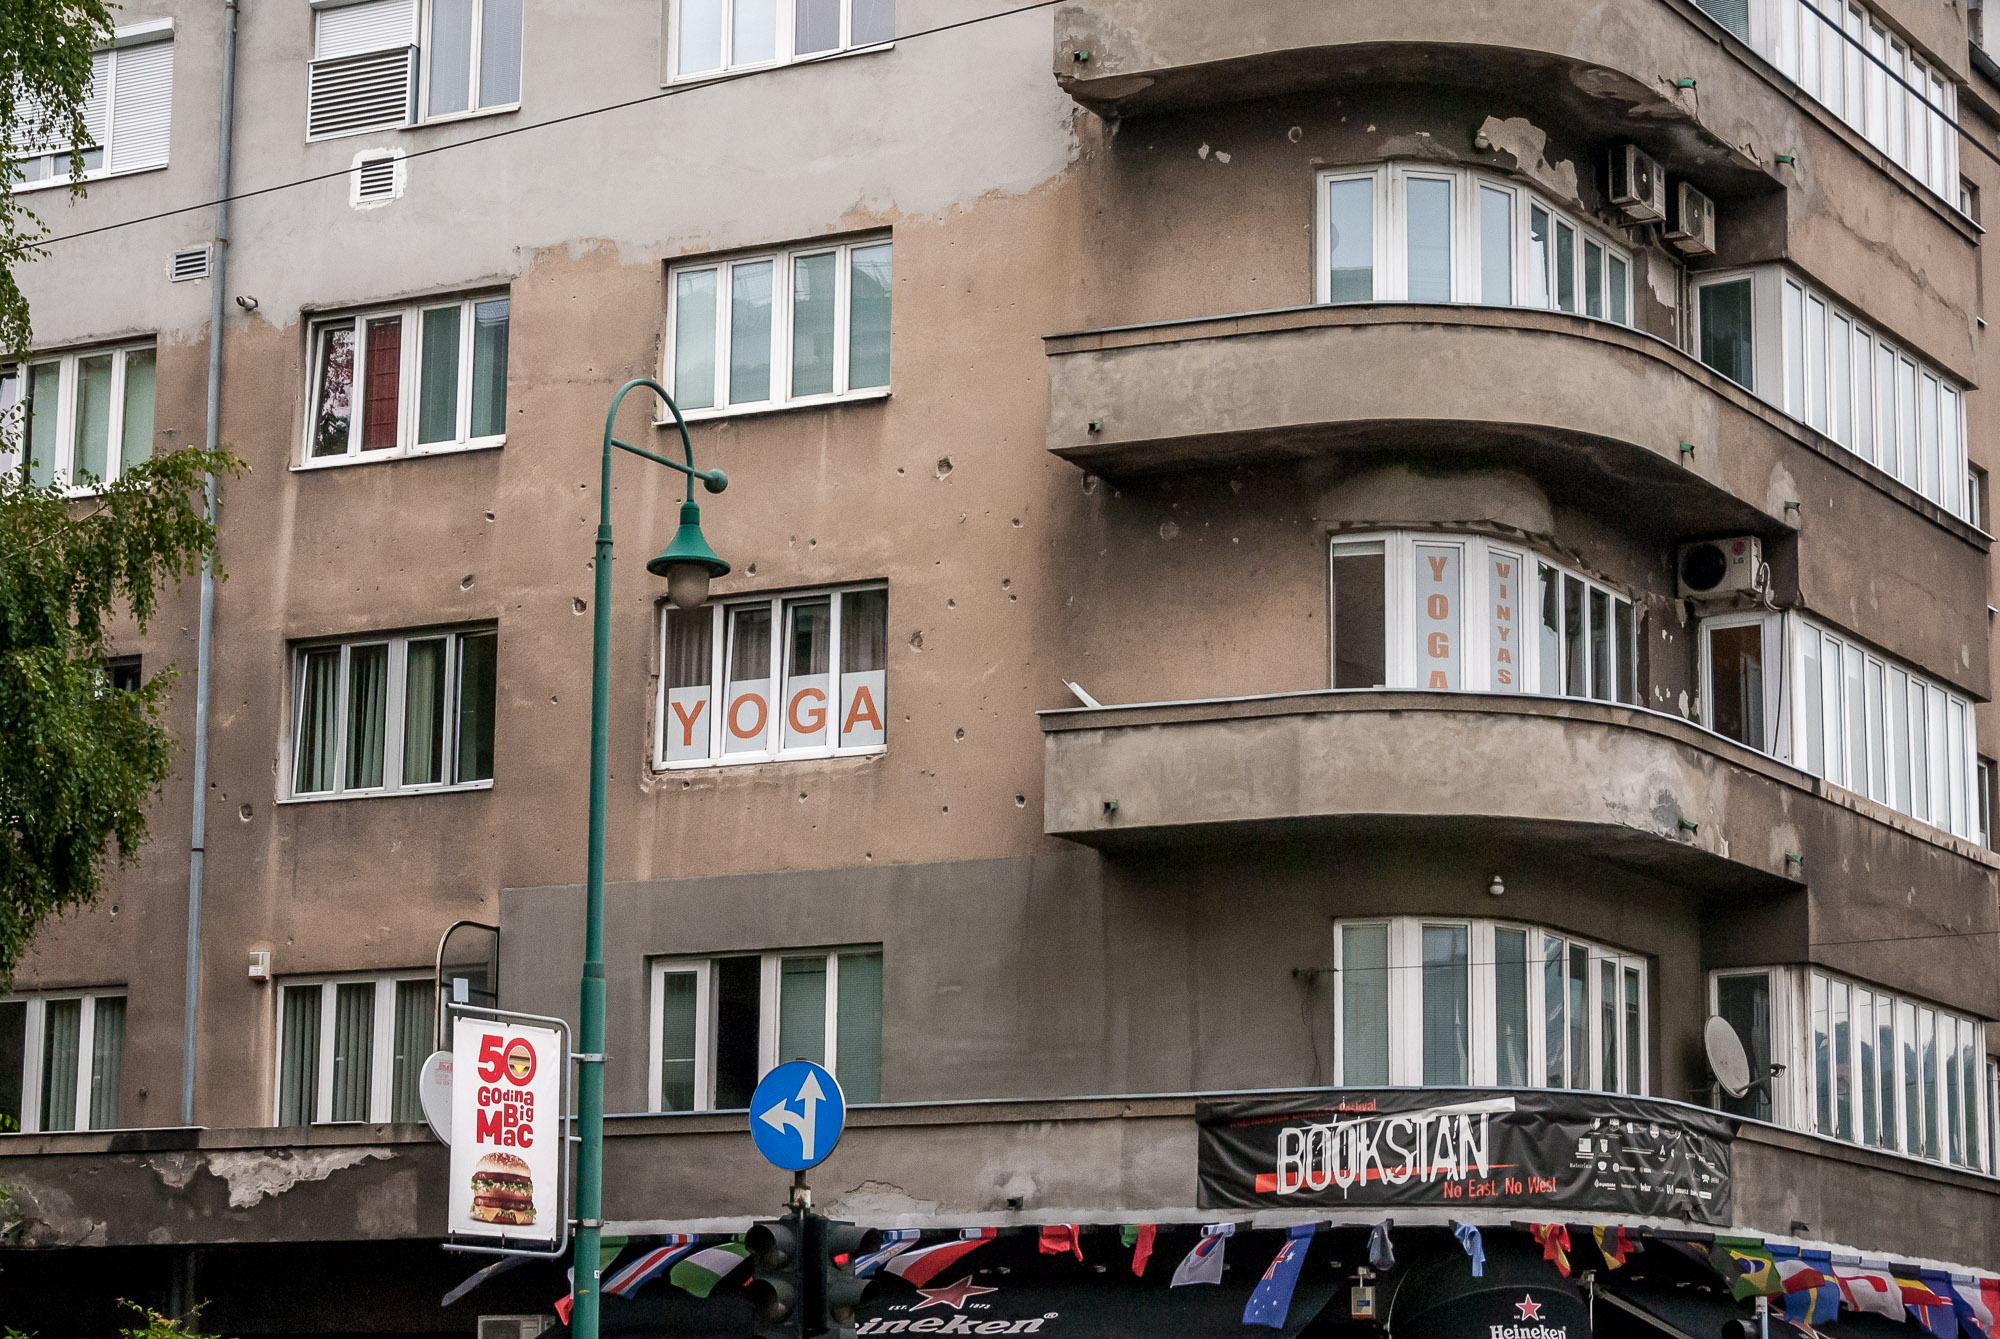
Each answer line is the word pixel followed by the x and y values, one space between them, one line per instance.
pixel 1593 278
pixel 1503 590
pixel 1565 266
pixel 688 668
pixel 747 717
pixel 1555 1024
pixel 1865 1088
pixel 1618 284
pixel 319 721
pixel 1625 635
pixel 1839 1004
pixel 1428 235
pixel 437 398
pixel 1350 240
pixel 813 309
pixel 13 1060
pixel 499 52
pixel 93 418
pixel 298 1078
pixel 136 434
pixel 1830 704
pixel 694 339
pixel 1822 1058
pixel 107 1060
pixel 1510 1007
pixel 1364 1004
pixel 870 271
pixel 1551 632
pixel 414 1033
pixel 1579 1016
pixel 1927 1040
pixel 478 684
pixel 1948 1061
pixel 1906 414
pixel 802 1009
pixel 62 1033
pixel 817 26
pixel 1885 1057
pixel 750 331
pixel 1538 256
pixel 1600 644
pixel 1725 329
pixel 873 21
pixel 677 1041
pixel 1496 247
pixel 1927 433
pixel 353 1048
pixel 864 660
pixel 335 410
pixel 1913 1079
pixel 450 56
pixel 1445 1001
pixel 1607 1025
pixel 1840 401
pixel 858 1028
pixel 700 36
pixel 1812 712
pixel 738 1008
pixel 1736 680
pixel 1744 1002
pixel 367 714
pixel 1438 616
pixel 489 367
pixel 808 660
pixel 423 714
pixel 381 398
pixel 1635 1040
pixel 1968 1074
pixel 45 390
pixel 1854 712
pixel 1795 361
pixel 1573 683
pixel 1360 657
pixel 754 32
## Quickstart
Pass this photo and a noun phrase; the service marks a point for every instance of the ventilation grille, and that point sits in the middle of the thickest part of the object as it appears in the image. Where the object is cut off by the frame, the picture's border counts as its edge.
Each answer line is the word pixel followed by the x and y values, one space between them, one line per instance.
pixel 191 263
pixel 372 91
pixel 376 179
pixel 512 1327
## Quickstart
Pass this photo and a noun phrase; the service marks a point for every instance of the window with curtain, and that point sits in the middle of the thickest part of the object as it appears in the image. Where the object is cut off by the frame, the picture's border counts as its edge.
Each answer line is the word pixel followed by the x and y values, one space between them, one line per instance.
pixel 62 1062
pixel 352 1049
pixel 1449 1003
pixel 709 36
pixel 79 420
pixel 127 114
pixel 410 381
pixel 394 715
pixel 472 57
pixel 801 326
pixel 797 676
pixel 718 1024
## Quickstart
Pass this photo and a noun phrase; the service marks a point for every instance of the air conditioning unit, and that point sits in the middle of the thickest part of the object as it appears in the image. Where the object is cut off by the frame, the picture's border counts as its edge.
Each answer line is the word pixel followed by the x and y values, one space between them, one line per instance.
pixel 1715 569
pixel 1691 221
pixel 513 1327
pixel 1638 186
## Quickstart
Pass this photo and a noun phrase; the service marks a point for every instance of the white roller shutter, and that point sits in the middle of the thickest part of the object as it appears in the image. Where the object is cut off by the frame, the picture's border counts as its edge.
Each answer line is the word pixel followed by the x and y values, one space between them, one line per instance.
pixel 141 106
pixel 97 104
pixel 363 70
pixel 374 26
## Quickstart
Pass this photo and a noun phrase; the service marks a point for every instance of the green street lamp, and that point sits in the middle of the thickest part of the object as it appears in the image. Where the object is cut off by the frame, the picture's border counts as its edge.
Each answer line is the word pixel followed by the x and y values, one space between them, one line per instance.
pixel 688 564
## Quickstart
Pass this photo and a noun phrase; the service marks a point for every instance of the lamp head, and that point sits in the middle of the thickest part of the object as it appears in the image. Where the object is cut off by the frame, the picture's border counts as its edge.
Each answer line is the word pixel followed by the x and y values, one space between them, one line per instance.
pixel 688 564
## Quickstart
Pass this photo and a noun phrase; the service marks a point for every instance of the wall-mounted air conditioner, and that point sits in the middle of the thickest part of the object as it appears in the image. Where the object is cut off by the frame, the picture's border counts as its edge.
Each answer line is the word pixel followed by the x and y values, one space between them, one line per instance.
pixel 1716 569
pixel 1638 187
pixel 1691 221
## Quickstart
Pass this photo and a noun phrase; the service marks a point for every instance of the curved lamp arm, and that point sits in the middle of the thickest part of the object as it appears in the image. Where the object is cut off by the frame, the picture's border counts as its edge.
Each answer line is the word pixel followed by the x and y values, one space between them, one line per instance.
pixel 713 480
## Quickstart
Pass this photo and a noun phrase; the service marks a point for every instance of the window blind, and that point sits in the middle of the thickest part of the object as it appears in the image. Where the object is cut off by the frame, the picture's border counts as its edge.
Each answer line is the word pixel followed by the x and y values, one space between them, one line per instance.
pixel 141 106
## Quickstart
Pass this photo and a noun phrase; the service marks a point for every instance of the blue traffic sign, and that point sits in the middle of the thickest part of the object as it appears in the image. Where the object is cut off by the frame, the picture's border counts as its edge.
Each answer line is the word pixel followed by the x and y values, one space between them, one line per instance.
pixel 796 1115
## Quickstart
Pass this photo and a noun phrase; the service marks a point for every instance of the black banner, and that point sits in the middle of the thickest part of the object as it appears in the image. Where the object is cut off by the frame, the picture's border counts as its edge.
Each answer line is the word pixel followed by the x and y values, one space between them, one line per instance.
pixel 1466 1149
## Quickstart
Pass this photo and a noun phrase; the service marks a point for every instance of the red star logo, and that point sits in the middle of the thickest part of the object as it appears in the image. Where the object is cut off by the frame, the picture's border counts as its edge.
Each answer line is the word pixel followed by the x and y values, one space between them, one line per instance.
pixel 1529 1308
pixel 954 1297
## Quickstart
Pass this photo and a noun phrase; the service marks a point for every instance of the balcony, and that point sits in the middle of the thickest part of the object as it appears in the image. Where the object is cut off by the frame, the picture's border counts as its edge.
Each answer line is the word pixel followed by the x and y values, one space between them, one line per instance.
pixel 1596 413
pixel 1590 781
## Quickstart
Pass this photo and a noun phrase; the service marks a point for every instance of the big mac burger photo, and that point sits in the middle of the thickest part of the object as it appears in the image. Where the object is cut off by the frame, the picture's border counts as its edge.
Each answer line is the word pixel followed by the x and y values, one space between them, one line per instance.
pixel 502 1191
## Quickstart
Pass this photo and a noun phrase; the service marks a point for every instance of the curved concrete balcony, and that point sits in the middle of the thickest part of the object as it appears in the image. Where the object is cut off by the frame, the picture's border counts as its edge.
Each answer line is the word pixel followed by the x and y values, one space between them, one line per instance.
pixel 1589 781
pixel 1596 413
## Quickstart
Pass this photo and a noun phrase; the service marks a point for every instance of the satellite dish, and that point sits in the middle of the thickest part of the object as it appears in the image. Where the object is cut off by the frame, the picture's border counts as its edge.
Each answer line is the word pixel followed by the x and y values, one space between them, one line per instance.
pixel 434 1092
pixel 1726 1058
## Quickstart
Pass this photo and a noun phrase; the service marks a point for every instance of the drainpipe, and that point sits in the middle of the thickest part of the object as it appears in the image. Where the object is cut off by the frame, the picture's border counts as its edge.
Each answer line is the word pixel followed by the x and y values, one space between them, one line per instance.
pixel 218 271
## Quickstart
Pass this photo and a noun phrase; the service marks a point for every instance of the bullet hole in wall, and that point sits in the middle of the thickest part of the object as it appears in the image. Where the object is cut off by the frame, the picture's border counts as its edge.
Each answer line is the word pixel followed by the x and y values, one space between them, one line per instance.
pixel 960 736
pixel 1020 801
pixel 1006 582
pixel 751 570
pixel 1295 134
pixel 1089 484
pixel 1169 531
pixel 114 911
pixel 244 813
pixel 917 640
pixel 951 604
pixel 576 603
pixel 466 584
pixel 944 467
pixel 1017 523
pixel 489 515
pixel 900 470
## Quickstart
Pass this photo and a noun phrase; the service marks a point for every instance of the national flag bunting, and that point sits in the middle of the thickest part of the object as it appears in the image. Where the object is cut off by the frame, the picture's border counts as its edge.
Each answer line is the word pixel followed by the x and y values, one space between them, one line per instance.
pixel 1810 1296
pixel 1751 1271
pixel 1468 1237
pixel 1203 1264
pixel 649 1264
pixel 1139 1236
pixel 500 1266
pixel 699 1273
pixel 1977 1301
pixel 1381 1255
pixel 1865 1288
pixel 1062 1239
pixel 1271 1302
pixel 607 1251
pixel 893 1242
pixel 918 1267
pixel 1930 1302
pixel 1554 1240
pixel 1614 1244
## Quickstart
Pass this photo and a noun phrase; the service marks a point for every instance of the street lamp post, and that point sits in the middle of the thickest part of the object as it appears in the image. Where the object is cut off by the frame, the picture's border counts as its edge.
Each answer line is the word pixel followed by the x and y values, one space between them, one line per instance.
pixel 687 564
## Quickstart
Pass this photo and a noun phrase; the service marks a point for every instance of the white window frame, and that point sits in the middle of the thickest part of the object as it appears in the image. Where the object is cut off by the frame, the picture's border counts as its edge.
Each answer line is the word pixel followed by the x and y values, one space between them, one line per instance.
pixel 1405 997
pixel 784 47
pixel 397 691
pixel 1476 552
pixel 409 384
pixel 717 612
pixel 382 1044
pixel 427 50
pixel 32 1059
pixel 781 262
pixel 770 967
pixel 148 32
pixel 1392 279
pixel 14 386
pixel 1774 669
pixel 1782 990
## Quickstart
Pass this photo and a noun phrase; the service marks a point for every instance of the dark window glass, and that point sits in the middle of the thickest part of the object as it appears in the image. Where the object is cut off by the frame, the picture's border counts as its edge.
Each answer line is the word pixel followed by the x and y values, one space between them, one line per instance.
pixel 1744 1002
pixel 1736 678
pixel 738 1000
pixel 13 1058
pixel 1359 654
pixel 1725 329
pixel 124 673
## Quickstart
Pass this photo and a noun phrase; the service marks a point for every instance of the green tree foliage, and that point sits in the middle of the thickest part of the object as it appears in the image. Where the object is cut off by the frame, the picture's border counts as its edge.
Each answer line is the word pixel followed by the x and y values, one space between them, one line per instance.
pixel 45 52
pixel 80 759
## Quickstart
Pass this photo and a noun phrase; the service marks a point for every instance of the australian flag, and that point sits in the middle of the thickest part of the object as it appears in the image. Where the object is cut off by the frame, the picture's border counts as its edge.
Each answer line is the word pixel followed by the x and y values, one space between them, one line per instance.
pixel 1272 1300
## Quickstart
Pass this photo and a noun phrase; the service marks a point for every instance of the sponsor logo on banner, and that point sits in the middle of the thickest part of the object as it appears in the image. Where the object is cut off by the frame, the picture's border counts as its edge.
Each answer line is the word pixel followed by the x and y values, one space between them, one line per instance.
pixel 506 1124
pixel 971 1316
